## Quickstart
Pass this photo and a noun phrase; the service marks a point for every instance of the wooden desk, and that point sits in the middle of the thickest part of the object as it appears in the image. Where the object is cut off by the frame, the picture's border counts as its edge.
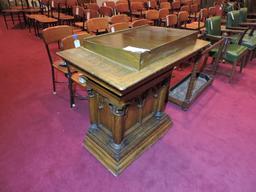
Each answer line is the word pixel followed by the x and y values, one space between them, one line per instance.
pixel 127 98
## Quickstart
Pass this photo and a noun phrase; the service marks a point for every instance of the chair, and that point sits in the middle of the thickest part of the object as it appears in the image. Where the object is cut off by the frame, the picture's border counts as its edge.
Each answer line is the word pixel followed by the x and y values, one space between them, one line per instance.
pixel 53 35
pixel 166 5
pixel 119 18
pixel 199 23
pixel 234 22
pixel 15 12
pixel 74 76
pixel 194 12
pixel 61 5
pixel 137 9
pixel 183 19
pixel 162 15
pixel 109 4
pixel 106 11
pixel 235 53
pixel 122 8
pixel 93 6
pixel 151 4
pixel 185 8
pixel 171 20
pixel 97 25
pixel 139 22
pixel 152 16
pixel 79 17
pixel 119 26
pixel 176 6
pixel 212 11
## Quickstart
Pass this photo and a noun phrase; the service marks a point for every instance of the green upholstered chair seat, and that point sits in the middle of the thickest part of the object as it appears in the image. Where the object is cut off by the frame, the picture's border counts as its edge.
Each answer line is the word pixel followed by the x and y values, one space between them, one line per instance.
pixel 233 52
pixel 248 41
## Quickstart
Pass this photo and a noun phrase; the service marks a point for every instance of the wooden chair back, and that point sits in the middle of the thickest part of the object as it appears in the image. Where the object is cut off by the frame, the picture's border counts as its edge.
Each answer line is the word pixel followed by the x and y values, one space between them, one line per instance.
pixel 152 14
pixel 176 5
pixel 204 14
pixel 93 6
pixel 119 26
pixel 212 11
pixel 68 42
pixel 119 18
pixel 91 13
pixel 185 8
pixel 194 8
pixel 139 22
pixel 152 4
pixel 171 20
pixel 78 11
pixel 122 8
pixel 106 11
pixel 165 5
pixel 137 6
pixel 55 34
pixel 183 18
pixel 163 13
pixel 109 4
pixel 96 25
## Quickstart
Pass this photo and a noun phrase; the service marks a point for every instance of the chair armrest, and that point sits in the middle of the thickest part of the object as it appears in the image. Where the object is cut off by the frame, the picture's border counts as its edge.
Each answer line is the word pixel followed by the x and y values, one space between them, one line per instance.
pixel 235 29
pixel 212 37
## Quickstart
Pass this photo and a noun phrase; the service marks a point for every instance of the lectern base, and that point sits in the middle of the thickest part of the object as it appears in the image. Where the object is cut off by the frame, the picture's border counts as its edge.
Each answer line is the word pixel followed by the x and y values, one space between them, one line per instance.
pixel 101 146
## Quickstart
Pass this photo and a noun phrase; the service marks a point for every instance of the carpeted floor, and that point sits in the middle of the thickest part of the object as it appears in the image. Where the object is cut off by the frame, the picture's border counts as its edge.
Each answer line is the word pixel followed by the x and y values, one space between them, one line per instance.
pixel 210 148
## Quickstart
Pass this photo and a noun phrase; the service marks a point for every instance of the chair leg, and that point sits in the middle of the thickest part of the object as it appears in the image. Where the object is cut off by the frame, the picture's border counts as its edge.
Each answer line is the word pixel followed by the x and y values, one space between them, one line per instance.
pixel 53 81
pixel 71 91
pixel 243 63
pixel 12 18
pixel 5 21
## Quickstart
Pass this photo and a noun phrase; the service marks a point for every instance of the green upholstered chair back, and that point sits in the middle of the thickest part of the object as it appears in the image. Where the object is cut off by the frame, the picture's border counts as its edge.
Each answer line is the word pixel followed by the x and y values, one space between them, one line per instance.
pixel 233 19
pixel 213 26
pixel 243 14
pixel 228 8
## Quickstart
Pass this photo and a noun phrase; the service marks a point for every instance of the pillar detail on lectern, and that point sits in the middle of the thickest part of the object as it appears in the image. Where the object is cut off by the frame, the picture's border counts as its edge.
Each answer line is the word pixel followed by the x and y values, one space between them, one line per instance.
pixel 117 123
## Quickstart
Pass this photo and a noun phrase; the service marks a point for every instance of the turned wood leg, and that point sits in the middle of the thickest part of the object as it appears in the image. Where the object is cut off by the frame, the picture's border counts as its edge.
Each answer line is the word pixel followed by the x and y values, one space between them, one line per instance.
pixel 93 108
pixel 117 123
pixel 162 98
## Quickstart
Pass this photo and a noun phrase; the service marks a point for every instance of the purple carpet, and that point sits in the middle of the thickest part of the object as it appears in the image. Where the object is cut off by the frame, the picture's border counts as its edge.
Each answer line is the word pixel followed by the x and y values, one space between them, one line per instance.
pixel 210 148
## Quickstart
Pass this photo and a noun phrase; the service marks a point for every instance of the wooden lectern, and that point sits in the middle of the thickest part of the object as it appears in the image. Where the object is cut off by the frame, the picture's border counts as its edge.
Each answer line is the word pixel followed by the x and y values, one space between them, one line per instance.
pixel 128 75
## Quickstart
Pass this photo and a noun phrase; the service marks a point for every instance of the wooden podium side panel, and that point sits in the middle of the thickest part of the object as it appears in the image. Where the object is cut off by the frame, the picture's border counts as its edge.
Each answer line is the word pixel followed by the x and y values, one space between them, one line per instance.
pixel 122 132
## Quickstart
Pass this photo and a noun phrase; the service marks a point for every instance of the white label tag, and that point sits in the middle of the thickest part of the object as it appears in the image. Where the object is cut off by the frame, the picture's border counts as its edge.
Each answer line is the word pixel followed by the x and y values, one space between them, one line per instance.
pixel 167 21
pixel 88 15
pixel 232 16
pixel 81 79
pixel 105 4
pixel 135 49
pixel 52 3
pixel 211 24
pixel 77 11
pixel 112 29
pixel 149 4
pixel 77 43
